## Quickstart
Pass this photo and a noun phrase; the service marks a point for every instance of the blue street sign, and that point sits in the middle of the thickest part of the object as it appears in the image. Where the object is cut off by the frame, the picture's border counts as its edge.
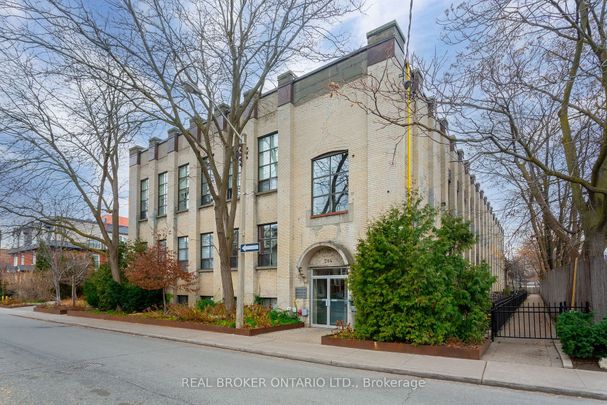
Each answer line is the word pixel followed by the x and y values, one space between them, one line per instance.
pixel 249 247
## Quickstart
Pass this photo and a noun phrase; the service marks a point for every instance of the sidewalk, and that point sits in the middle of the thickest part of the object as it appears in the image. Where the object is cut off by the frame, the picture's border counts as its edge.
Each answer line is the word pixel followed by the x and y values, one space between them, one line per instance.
pixel 304 345
pixel 526 324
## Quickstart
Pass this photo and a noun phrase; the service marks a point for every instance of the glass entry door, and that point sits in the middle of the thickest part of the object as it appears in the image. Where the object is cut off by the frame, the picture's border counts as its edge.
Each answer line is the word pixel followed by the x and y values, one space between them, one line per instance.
pixel 329 297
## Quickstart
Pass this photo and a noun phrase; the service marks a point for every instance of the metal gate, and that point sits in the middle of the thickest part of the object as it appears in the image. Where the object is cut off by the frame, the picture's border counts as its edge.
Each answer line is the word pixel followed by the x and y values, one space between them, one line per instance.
pixel 512 318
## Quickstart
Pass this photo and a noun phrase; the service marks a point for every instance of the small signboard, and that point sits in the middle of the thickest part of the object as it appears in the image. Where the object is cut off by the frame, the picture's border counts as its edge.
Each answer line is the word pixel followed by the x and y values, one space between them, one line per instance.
pixel 249 247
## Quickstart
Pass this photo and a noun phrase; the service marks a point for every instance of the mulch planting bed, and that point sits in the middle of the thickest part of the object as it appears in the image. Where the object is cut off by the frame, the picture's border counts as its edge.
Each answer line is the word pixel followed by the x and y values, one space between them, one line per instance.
pixel 473 352
pixel 184 324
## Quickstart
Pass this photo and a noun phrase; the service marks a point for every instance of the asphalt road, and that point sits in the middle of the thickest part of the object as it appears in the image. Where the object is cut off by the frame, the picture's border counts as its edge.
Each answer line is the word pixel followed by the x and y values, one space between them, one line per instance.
pixel 49 363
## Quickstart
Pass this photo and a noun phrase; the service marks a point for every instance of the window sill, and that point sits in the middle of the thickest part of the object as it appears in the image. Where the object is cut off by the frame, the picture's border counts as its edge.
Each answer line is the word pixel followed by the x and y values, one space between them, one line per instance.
pixel 206 205
pixel 330 214
pixel 182 211
pixel 260 193
pixel 265 268
pixel 161 216
pixel 205 270
pixel 142 219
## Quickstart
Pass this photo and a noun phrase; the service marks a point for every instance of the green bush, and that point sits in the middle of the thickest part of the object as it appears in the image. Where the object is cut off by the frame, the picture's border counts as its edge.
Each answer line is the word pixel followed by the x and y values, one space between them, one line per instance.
pixel 207 302
pixel 410 282
pixel 102 292
pixel 282 317
pixel 580 337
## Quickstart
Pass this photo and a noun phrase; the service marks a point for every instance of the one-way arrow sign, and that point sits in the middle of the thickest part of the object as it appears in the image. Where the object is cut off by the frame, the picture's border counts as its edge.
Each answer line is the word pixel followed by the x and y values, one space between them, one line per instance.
pixel 249 247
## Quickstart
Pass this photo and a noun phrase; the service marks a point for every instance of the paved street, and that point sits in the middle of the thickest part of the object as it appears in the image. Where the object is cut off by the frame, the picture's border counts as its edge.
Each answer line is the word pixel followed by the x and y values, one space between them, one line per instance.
pixel 42 362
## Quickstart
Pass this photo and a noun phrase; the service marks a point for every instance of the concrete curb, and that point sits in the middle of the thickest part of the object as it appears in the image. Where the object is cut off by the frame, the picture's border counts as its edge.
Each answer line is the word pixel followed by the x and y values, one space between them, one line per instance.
pixel 565 359
pixel 343 364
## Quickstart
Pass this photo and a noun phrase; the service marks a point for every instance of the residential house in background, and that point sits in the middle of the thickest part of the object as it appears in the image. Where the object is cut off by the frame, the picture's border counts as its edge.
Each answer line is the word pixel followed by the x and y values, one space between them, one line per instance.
pixel 27 238
pixel 6 259
pixel 320 170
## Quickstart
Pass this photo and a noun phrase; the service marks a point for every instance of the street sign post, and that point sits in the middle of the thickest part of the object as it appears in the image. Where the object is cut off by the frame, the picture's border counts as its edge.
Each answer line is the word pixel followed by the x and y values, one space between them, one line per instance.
pixel 249 247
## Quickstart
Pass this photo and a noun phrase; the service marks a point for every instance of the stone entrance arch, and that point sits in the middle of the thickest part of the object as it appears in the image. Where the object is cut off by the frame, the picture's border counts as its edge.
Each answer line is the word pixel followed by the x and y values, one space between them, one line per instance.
pixel 323 254
pixel 323 269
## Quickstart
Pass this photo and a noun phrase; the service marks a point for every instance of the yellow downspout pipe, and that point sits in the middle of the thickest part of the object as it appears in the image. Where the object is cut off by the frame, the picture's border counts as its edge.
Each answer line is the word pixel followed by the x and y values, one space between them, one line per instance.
pixel 574 282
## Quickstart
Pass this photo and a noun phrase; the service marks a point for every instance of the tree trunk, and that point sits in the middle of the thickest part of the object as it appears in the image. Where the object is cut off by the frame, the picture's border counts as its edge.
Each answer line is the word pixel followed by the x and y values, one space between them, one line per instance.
pixel 225 249
pixel 226 283
pixel 594 243
pixel 73 292
pixel 114 262
pixel 57 293
pixel 164 300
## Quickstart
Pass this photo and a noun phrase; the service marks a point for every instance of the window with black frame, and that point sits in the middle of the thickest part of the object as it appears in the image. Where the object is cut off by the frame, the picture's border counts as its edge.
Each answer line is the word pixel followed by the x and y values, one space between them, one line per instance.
pixel 206 251
pixel 205 195
pixel 162 245
pixel 143 199
pixel 330 183
pixel 182 249
pixel 163 192
pixel 268 245
pixel 230 178
pixel 267 147
pixel 235 251
pixel 183 185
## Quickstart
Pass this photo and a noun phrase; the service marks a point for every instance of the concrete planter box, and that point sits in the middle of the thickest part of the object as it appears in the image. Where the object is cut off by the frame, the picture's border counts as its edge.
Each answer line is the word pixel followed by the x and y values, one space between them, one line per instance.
pixel 185 324
pixel 461 352
pixel 51 310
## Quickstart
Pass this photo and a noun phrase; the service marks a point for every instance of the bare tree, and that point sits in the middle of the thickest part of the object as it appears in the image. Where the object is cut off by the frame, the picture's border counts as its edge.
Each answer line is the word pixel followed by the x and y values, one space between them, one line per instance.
pixel 78 268
pixel 529 88
pixel 68 266
pixel 535 77
pixel 63 137
pixel 201 66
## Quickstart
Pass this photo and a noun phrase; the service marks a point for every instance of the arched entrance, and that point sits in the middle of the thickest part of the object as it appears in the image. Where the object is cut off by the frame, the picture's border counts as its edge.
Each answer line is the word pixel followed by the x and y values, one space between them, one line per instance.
pixel 326 266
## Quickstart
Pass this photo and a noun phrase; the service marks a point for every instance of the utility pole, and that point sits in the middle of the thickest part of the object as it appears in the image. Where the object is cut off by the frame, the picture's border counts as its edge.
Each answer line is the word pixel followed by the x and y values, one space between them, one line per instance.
pixel 241 231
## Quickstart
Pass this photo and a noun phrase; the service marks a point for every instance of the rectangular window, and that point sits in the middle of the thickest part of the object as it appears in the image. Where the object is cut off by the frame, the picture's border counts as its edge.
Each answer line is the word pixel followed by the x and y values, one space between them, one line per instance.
pixel 183 188
pixel 206 251
pixel 182 249
pixel 182 299
pixel 268 244
pixel 162 245
pixel 267 147
pixel 235 251
pixel 230 176
pixel 330 183
pixel 267 302
pixel 96 261
pixel 95 244
pixel 206 197
pixel 143 199
pixel 163 192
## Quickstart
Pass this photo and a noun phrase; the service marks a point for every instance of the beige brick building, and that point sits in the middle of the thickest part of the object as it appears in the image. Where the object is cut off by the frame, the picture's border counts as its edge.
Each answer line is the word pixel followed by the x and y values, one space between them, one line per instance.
pixel 318 170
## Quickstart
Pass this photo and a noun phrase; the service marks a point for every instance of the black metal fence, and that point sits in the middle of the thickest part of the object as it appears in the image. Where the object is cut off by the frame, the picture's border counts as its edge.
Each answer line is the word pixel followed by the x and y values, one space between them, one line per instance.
pixel 512 318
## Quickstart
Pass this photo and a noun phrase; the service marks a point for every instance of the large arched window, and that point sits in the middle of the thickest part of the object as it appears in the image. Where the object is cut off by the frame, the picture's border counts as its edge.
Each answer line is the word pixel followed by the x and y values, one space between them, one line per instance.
pixel 330 183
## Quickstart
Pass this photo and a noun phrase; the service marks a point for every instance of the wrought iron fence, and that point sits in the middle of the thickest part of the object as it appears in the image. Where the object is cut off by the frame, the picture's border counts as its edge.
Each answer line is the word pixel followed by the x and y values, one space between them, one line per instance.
pixel 516 319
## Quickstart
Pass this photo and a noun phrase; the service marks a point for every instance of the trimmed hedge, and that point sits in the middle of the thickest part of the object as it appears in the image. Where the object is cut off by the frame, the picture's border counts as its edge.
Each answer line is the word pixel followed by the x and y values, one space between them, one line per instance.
pixel 580 337
pixel 410 282
pixel 102 292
